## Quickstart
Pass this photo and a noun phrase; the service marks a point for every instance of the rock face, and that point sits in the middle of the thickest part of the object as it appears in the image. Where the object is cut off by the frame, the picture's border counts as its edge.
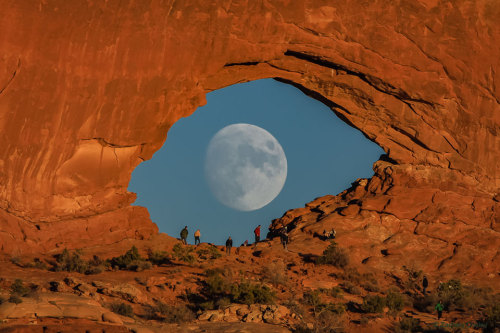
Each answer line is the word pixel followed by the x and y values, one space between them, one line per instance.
pixel 89 89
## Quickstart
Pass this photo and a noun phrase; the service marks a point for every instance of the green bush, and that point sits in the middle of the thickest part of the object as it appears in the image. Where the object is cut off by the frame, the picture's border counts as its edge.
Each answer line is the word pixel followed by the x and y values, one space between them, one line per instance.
pixel 14 298
pixel 36 263
pixel 184 253
pixel 373 304
pixel 413 278
pixel 336 292
pixel 333 255
pixel 121 262
pixel 249 293
pixel 70 262
pixel 131 261
pixel 218 287
pixel 337 308
pixel 18 288
pixel 408 324
pixel 312 298
pixel 122 309
pixel 425 303
pixel 275 273
pixel 351 288
pixel 395 301
pixel 159 258
pixel 492 317
pixel 208 253
pixel 172 314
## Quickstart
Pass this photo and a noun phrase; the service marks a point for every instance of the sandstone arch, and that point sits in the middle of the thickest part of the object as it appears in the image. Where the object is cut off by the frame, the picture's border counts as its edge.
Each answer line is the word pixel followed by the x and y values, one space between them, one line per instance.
pixel 88 89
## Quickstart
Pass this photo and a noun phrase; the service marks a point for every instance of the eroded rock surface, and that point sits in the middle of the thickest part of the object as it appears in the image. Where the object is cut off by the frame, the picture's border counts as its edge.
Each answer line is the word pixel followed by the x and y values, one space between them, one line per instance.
pixel 88 90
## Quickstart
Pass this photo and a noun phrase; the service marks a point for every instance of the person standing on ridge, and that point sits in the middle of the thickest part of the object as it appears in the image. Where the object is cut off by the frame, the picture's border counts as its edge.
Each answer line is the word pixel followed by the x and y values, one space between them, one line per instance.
pixel 257 234
pixel 184 235
pixel 197 235
pixel 229 245
pixel 284 238
pixel 425 283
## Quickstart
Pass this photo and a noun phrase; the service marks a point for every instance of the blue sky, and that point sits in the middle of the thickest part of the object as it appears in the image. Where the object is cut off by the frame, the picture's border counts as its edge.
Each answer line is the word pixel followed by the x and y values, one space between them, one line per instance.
pixel 324 156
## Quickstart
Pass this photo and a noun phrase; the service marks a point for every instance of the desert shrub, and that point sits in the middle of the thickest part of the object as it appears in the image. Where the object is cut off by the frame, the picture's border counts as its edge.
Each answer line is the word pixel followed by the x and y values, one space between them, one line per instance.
pixel 139 265
pixel 337 308
pixel 70 262
pixel 452 294
pixel 14 298
pixel 171 314
pixel 408 324
pixel 18 288
pixel 336 292
pixel 351 288
pixel 328 322
pixel 216 285
pixel 121 262
pixel 425 303
pixel 184 253
pixel 36 263
pixel 368 286
pixel 208 253
pixel 350 274
pixel 122 309
pixel 491 317
pixel 249 293
pixel 373 304
pixel 333 255
pixel 2 300
pixel 158 257
pixel 131 261
pixel 312 298
pixel 16 261
pixel 275 273
pixel 395 301
pixel 222 302
pixel 295 307
pixel 413 278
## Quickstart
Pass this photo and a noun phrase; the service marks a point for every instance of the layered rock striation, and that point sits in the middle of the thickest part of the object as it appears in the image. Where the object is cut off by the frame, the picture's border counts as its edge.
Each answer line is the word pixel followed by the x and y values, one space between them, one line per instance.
pixel 89 89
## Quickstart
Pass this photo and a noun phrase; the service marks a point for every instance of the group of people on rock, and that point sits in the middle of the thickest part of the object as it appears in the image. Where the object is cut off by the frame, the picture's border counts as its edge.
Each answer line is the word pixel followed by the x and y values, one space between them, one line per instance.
pixel 229 242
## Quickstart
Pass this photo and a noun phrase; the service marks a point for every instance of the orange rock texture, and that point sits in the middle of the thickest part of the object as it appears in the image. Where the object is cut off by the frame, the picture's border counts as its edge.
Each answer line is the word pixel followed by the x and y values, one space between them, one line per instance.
pixel 89 89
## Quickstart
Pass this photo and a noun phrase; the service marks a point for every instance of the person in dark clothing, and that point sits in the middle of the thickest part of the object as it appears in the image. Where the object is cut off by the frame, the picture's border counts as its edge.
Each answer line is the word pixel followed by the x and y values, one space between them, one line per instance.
pixel 184 235
pixel 425 283
pixel 257 234
pixel 440 308
pixel 229 245
pixel 284 239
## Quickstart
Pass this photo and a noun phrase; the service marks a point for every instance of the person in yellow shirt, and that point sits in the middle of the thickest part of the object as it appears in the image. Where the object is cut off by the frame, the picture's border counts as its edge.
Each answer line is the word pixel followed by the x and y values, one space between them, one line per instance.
pixel 197 235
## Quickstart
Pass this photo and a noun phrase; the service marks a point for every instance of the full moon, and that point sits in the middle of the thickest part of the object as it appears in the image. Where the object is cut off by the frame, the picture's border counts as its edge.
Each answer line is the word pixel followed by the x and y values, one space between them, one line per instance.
pixel 245 167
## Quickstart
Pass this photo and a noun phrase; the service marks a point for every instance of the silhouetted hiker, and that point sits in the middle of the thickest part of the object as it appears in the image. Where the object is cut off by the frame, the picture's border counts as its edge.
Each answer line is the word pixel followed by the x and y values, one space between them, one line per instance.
pixel 425 283
pixel 184 235
pixel 333 233
pixel 440 308
pixel 284 238
pixel 197 235
pixel 229 245
pixel 257 234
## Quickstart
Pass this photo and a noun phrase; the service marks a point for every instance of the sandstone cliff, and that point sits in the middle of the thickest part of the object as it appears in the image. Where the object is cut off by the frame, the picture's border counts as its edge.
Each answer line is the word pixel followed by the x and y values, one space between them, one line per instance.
pixel 89 89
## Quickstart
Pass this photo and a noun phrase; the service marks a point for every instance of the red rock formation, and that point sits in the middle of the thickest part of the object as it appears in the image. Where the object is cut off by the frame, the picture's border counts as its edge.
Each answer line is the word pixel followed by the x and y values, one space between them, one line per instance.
pixel 88 90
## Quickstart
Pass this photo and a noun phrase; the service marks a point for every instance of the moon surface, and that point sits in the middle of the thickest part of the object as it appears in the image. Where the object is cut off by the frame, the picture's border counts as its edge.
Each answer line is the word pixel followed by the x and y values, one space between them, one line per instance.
pixel 245 167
